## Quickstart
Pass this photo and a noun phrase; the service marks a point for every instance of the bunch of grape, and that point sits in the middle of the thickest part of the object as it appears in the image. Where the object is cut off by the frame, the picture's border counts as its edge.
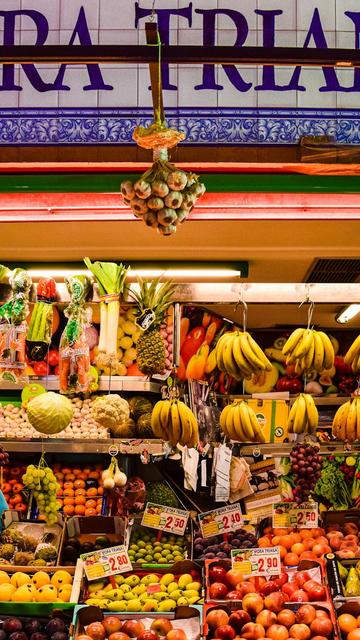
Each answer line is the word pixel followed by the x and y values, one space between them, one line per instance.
pixel 4 457
pixel 306 465
pixel 42 482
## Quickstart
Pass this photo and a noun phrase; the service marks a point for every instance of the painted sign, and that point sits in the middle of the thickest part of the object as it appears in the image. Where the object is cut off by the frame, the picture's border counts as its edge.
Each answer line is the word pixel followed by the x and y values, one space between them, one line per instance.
pixel 225 104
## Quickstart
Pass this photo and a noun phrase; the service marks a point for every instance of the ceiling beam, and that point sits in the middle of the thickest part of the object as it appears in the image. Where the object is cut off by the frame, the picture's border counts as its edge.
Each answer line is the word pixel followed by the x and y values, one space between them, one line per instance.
pixel 144 54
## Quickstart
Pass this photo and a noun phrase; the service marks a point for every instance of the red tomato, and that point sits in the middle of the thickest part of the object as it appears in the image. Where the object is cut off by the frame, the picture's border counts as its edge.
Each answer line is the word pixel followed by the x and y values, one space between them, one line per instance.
pixel 40 368
pixel 53 357
pixel 192 342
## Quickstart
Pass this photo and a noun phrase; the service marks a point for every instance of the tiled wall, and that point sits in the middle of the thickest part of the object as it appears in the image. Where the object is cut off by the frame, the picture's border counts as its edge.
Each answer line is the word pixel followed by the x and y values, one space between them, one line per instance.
pixel 113 21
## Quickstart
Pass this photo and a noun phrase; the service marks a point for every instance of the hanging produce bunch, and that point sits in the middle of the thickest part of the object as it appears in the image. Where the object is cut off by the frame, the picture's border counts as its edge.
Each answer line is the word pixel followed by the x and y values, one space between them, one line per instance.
pixel 309 349
pixel 346 422
pixel 110 278
pixel 152 300
pixel 74 352
pixel 306 463
pixel 352 357
pixel 238 421
pixel 303 416
pixel 113 476
pixel 173 421
pixel 40 328
pixel 13 327
pixel 41 480
pixel 238 355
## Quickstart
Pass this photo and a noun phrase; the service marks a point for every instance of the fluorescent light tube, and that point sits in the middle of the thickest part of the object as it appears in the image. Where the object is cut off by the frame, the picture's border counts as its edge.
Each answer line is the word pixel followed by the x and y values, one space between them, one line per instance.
pixel 348 313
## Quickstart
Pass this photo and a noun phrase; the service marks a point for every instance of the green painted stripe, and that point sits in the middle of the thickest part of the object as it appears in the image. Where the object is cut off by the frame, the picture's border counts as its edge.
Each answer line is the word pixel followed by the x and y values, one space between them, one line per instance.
pixel 215 183
pixel 273 421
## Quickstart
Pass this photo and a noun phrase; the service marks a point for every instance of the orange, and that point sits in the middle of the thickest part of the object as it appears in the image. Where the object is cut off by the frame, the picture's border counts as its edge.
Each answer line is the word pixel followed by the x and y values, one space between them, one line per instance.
pixel 91 492
pixel 79 484
pixel 100 491
pixel 358 621
pixel 99 501
pixel 275 541
pixel 59 492
pixel 280 532
pixel 354 635
pixel 90 504
pixel 90 512
pixel 347 622
pixel 69 510
pixel 59 475
pixel 264 542
pixel 298 548
pixel 68 492
pixel 68 484
pixel 296 537
pixel 76 471
pixel 80 509
pixel 308 543
pixel 283 552
pixel 291 560
pixel 98 510
pixel 82 476
pixel 68 500
pixel 87 470
pixel 286 541
pixel 66 470
pixel 80 499
pixel 80 492
pixel 306 533
pixel 70 476
pixel 94 475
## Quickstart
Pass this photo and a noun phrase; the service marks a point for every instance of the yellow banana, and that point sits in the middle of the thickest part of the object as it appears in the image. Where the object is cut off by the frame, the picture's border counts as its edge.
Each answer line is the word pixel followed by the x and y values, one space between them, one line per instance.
pixel 319 353
pixel 223 417
pixel 355 365
pixel 250 355
pixel 292 341
pixel 342 419
pixel 220 350
pixel 292 415
pixel 238 428
pixel 156 425
pixel 309 356
pixel 329 354
pixel 164 418
pixel 352 351
pixel 312 413
pixel 246 422
pixel 230 428
pixel 185 422
pixel 304 344
pixel 300 417
pixel 176 425
pixel 298 367
pixel 239 358
pixel 358 418
pixel 211 362
pixel 351 428
pixel 229 362
pixel 259 352
pixel 259 435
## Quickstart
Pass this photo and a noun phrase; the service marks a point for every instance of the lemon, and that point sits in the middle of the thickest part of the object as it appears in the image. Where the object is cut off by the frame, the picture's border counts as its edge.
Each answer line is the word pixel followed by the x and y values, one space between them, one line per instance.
pixel 184 580
pixel 4 578
pixel 6 591
pixel 167 579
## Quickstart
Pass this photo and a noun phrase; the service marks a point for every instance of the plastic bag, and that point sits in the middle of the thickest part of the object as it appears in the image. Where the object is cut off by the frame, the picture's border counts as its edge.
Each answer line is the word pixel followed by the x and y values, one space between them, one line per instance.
pixel 39 333
pixel 74 352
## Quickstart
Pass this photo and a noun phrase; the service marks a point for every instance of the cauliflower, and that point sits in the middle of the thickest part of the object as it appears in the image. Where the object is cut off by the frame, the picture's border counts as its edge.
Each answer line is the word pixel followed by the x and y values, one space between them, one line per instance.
pixel 111 411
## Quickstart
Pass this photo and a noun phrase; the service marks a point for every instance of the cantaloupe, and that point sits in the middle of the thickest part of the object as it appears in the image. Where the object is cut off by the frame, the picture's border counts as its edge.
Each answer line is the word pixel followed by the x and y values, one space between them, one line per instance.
pixel 263 382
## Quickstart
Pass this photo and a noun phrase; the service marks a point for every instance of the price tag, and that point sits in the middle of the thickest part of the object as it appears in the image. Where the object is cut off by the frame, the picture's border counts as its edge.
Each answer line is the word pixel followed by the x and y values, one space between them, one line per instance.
pixel 106 562
pixel 163 518
pixel 220 521
pixel 290 514
pixel 257 562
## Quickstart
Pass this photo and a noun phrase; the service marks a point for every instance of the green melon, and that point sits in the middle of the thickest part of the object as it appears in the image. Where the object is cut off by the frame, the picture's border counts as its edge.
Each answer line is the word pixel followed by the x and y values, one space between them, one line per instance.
pixel 143 426
pixel 138 406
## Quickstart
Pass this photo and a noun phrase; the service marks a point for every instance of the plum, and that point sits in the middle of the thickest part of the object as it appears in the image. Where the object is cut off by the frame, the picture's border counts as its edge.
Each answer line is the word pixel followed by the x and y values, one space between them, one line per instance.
pixel 221 554
pixel 18 635
pixel 11 625
pixel 199 541
pixel 209 556
pixel 32 626
pixel 2 635
pixel 38 635
pixel 59 635
pixel 56 624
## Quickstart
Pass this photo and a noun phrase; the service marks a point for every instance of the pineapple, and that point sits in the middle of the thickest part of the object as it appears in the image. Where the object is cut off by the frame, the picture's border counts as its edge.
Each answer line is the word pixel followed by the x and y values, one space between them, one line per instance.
pixel 150 348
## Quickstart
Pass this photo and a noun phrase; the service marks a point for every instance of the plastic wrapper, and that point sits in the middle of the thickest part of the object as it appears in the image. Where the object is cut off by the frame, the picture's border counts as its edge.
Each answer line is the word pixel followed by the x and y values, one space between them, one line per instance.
pixel 13 330
pixel 74 352
pixel 39 333
pixel 352 586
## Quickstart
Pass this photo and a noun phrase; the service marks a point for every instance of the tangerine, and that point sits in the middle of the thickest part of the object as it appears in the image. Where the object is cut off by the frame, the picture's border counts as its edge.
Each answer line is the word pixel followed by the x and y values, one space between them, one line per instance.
pixel 80 499
pixel 347 622
pixel 82 476
pixel 283 552
pixel 68 484
pixel 264 542
pixel 80 492
pixel 92 492
pixel 80 509
pixel 69 492
pixel 298 548
pixel 70 476
pixel 68 501
pixel 291 560
pixel 76 471
pixel 308 543
pixel 79 484
pixel 90 504
pixel 90 512
pixel 100 491
pixel 69 509
pixel 65 470
pixel 286 541
pixel 354 634
pixel 98 508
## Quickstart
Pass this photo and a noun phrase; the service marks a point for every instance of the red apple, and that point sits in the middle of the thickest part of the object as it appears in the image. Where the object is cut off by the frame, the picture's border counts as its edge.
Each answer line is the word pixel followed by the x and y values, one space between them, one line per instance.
pixel 316 592
pixel 286 617
pixel 320 613
pixel 161 626
pixel 96 631
pixel 225 632
pixel 216 618
pixel 253 603
pixel 253 631
pixel 300 632
pixel 321 627
pixel 266 618
pixel 274 601
pixel 300 578
pixel 238 619
pixel 282 579
pixel 277 632
pixel 306 614
pixel 111 624
pixel 234 577
pixel 119 635
pixel 150 635
pixel 217 573
pixel 233 595
pixel 268 587
pixel 288 589
pixel 218 591
pixel 175 634
pixel 299 596
pixel 133 628
pixel 243 588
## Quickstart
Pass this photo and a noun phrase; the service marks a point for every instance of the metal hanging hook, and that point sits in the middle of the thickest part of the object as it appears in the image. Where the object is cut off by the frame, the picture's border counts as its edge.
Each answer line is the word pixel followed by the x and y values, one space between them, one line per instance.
pixel 245 308
pixel 152 17
pixel 311 305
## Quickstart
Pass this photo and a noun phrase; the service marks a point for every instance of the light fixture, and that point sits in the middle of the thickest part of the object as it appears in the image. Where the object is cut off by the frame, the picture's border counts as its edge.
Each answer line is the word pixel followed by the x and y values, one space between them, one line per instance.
pixel 348 313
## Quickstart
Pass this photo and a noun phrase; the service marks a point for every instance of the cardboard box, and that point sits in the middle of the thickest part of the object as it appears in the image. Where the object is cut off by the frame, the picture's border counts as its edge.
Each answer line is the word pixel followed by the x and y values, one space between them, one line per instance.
pixel 87 528
pixel 273 417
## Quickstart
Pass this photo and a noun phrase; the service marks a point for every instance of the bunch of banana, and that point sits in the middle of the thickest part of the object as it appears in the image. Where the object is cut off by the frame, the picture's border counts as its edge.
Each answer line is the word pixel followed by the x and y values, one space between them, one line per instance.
pixel 352 357
pixel 173 421
pixel 238 421
pixel 238 355
pixel 309 349
pixel 303 416
pixel 346 423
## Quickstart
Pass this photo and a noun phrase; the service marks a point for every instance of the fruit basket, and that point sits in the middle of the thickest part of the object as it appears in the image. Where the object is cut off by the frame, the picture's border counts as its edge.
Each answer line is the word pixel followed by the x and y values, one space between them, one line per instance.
pixel 343 576
pixel 156 543
pixel 226 622
pixel 347 620
pixel 184 623
pixel 220 546
pixel 306 583
pixel 89 533
pixel 343 532
pixel 52 588
pixel 29 543
pixel 24 627
pixel 13 488
pixel 162 589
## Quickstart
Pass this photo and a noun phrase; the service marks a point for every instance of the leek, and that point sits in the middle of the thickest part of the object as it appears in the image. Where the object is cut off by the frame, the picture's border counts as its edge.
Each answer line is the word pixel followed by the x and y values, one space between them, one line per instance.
pixel 111 281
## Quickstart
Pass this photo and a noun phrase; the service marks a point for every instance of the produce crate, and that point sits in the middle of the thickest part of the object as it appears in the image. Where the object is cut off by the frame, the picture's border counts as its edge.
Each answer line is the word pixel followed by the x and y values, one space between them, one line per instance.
pixel 42 608
pixel 178 569
pixel 215 542
pixel 43 618
pixel 135 526
pixel 190 619
pixel 11 520
pixel 87 528
pixel 229 608
pixel 336 585
pixel 342 518
pixel 315 568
